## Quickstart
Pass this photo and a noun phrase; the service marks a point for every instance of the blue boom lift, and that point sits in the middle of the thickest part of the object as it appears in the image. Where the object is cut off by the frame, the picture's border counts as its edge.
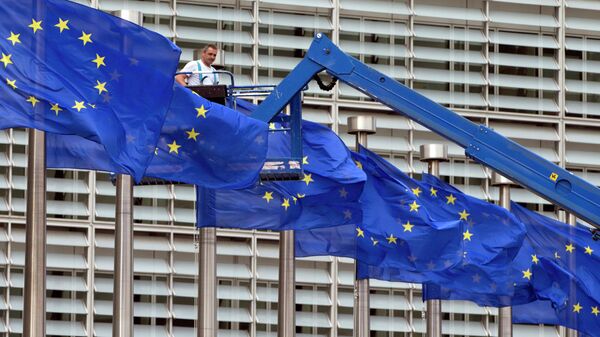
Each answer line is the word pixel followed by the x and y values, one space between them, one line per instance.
pixel 479 141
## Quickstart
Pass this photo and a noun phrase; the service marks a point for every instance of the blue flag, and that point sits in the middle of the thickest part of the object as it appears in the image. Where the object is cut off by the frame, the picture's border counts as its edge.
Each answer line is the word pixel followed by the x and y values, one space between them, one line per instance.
pixel 326 196
pixel 554 274
pixel 201 143
pixel 411 215
pixel 563 273
pixel 73 70
pixel 403 217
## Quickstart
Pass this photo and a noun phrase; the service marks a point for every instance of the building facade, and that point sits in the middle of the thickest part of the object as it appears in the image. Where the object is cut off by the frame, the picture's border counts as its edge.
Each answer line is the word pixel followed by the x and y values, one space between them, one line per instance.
pixel 528 68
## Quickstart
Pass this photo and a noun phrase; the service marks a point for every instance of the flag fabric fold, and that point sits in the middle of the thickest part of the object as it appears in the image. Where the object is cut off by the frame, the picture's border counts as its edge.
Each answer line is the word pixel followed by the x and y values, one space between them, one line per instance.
pixel 72 70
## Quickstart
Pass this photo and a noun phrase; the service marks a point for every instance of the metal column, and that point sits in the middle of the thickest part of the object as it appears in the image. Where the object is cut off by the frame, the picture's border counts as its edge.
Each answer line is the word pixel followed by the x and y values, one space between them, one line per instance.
pixel 207 283
pixel 505 328
pixel 572 220
pixel 286 314
pixel 434 154
pixel 123 263
pixel 34 309
pixel 123 279
pixel 361 126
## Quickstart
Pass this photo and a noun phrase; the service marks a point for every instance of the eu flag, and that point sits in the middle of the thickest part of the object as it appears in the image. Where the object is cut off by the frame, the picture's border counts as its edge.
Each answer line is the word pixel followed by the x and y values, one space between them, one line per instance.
pixel 201 143
pixel 422 232
pixel 554 276
pixel 563 272
pixel 326 196
pixel 73 70
pixel 405 216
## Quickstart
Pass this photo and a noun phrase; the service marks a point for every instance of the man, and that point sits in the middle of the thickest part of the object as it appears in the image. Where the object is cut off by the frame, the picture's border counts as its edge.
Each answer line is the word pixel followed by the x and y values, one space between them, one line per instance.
pixel 207 76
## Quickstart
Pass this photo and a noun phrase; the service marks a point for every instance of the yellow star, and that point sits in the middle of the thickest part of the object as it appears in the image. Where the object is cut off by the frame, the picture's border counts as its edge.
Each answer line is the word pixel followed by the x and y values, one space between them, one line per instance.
pixel 527 274
pixel 192 134
pixel 464 215
pixel 577 307
pixel 6 59
pixel 595 311
pixel 79 106
pixel 589 250
pixel 450 199
pixel 414 207
pixel 360 232
pixel 307 178
pixel 300 196
pixel 391 239
pixel 33 100
pixel 156 151
pixel 272 126
pixel 433 192
pixel 36 25
pixel 535 259
pixel 101 86
pixel 173 147
pixel 375 242
pixel 358 164
pixel 56 108
pixel 305 160
pixel 416 191
pixel 408 227
pixel 12 84
pixel 99 60
pixel 467 235
pixel 569 248
pixel 295 199
pixel 556 256
pixel 62 24
pixel 286 203
pixel 14 38
pixel 85 38
pixel 92 105
pixel 268 196
pixel 201 112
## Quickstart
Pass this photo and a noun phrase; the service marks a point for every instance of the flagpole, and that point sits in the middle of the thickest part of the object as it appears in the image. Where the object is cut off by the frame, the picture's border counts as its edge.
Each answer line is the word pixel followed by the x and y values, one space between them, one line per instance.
pixel 123 262
pixel 34 306
pixel 286 315
pixel 361 126
pixel 207 283
pixel 505 328
pixel 286 311
pixel 433 155
pixel 572 220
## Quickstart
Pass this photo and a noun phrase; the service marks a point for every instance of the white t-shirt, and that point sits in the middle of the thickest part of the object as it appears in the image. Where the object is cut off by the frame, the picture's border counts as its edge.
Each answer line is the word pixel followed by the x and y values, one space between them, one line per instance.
pixel 207 77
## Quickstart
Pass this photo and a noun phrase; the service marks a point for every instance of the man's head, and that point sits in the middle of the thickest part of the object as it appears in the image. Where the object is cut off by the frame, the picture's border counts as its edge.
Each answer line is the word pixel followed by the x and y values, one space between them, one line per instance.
pixel 209 54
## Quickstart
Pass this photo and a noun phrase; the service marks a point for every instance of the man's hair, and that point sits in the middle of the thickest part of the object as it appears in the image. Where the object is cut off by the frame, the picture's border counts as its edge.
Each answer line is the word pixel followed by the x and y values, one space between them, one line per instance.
pixel 208 46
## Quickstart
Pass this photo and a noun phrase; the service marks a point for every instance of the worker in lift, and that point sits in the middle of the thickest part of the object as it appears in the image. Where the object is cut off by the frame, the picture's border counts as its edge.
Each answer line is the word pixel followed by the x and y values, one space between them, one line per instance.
pixel 200 72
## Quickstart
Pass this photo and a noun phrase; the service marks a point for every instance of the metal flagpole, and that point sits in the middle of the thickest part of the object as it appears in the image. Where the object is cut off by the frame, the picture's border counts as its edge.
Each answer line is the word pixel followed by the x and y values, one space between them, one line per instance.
pixel 286 314
pixel 207 283
pixel 434 154
pixel 123 263
pixel 34 306
pixel 361 126
pixel 572 220
pixel 286 311
pixel 505 328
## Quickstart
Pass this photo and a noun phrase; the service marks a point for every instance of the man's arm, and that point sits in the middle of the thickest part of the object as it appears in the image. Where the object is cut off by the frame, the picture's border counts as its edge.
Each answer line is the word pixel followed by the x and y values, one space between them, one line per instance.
pixel 181 79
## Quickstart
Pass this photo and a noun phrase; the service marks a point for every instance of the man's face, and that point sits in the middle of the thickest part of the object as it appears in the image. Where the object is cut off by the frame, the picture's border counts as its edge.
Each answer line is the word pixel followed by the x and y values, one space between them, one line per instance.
pixel 209 56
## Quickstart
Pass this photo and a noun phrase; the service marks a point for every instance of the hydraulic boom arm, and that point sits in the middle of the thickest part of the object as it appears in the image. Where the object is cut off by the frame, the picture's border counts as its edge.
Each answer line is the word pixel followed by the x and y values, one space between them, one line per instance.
pixel 480 142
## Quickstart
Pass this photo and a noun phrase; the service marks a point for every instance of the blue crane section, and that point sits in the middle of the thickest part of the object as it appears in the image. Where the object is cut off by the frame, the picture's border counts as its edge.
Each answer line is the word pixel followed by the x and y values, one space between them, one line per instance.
pixel 480 142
